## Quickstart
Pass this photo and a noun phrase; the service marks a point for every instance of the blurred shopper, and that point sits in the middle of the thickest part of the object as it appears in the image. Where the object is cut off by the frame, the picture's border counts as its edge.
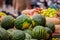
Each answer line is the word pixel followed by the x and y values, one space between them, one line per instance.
pixel 8 2
pixel 45 4
pixel 53 5
pixel 58 3
pixel 20 5
pixel 49 2
pixel 42 3
pixel 1 3
pixel 8 8
pixel 34 3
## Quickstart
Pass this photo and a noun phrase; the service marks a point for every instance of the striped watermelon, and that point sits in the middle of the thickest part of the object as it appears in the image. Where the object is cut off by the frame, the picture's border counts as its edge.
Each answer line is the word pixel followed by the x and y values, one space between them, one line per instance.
pixel 8 22
pixel 16 35
pixel 23 22
pixel 49 32
pixel 28 36
pixel 39 32
pixel 51 26
pixel 38 20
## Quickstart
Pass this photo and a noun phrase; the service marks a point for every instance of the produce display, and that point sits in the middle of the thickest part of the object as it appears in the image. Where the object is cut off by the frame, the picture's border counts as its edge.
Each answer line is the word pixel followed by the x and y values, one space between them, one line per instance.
pixel 49 12
pixel 38 10
pixel 35 11
pixel 29 27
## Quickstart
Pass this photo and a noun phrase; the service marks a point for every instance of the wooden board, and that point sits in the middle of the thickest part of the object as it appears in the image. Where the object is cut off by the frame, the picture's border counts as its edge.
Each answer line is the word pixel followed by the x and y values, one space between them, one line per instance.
pixel 57 30
pixel 56 21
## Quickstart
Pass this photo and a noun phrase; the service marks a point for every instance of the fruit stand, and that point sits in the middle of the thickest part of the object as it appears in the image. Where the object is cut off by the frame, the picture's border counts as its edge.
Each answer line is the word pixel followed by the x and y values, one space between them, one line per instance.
pixel 33 24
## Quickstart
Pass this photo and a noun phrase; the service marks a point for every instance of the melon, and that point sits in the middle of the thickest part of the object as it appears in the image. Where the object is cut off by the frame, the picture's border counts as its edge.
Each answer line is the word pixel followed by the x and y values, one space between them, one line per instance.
pixel 49 32
pixel 23 22
pixel 39 32
pixel 28 31
pixel 10 30
pixel 3 34
pixel 28 36
pixel 51 26
pixel 30 39
pixel 38 20
pixel 7 22
pixel 17 35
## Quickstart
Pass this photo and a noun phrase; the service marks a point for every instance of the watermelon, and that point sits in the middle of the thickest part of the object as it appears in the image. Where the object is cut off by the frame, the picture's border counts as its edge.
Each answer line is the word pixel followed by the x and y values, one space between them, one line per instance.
pixel 30 39
pixel 8 22
pixel 39 32
pixel 0 24
pixel 17 35
pixel 49 32
pixel 3 34
pixel 51 26
pixel 28 36
pixel 10 30
pixel 38 20
pixel 28 31
pixel 23 22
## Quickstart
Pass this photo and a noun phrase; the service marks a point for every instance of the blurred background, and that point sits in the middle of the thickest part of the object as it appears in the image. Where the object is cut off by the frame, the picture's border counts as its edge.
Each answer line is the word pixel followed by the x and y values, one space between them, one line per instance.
pixel 15 7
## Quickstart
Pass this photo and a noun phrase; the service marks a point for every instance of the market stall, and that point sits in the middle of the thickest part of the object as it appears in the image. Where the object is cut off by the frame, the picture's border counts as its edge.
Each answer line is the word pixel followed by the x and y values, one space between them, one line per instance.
pixel 43 23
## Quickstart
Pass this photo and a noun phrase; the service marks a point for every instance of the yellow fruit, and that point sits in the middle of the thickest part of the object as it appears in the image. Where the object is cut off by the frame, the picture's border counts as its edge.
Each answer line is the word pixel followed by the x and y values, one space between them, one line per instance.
pixel 25 25
pixel 2 14
pixel 54 38
pixel 49 12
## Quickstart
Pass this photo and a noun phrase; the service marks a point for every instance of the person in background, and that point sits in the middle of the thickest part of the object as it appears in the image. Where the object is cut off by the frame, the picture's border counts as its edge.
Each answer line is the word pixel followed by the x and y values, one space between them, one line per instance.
pixel 53 5
pixel 49 2
pixel 45 4
pixel 34 3
pixel 1 3
pixel 58 3
pixel 8 2
pixel 42 3
pixel 20 5
pixel 8 8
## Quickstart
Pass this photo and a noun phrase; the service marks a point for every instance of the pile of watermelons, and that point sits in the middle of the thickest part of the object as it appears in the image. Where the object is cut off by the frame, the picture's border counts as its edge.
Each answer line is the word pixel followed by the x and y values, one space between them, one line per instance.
pixel 26 28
